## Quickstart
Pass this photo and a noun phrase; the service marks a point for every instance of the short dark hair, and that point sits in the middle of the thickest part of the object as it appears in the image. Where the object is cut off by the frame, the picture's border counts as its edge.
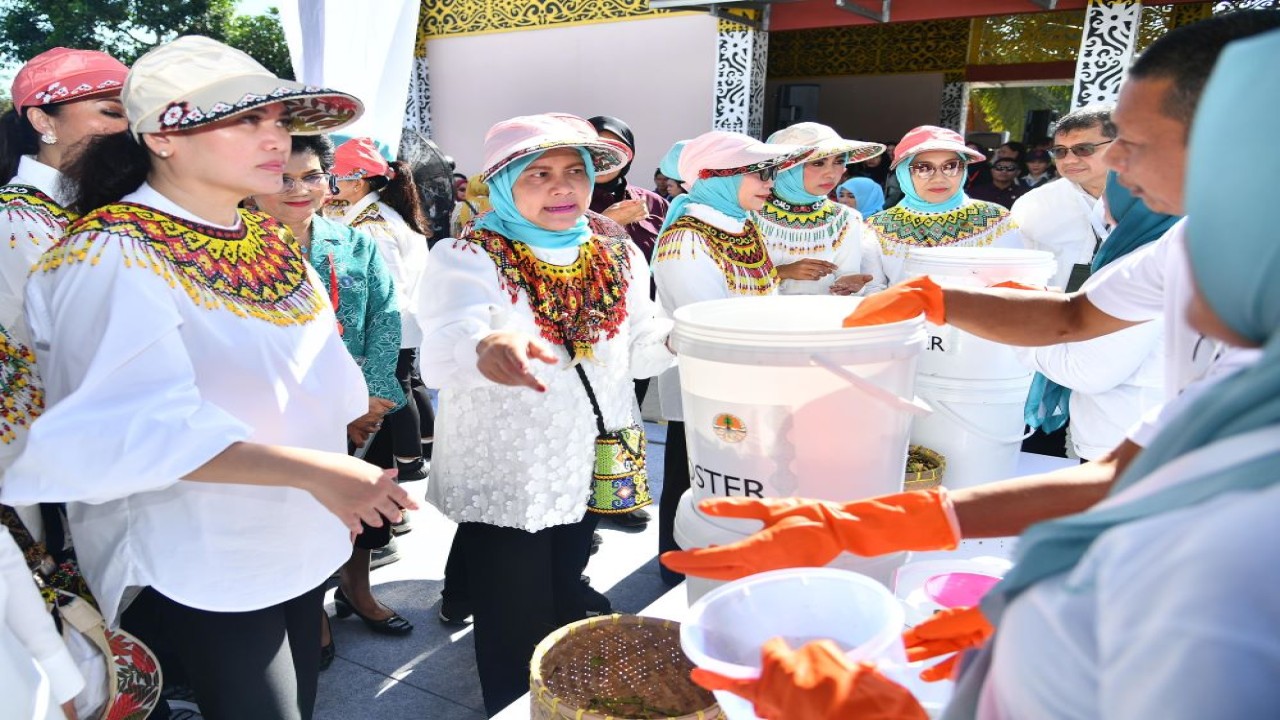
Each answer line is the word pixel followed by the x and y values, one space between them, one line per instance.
pixel 1089 116
pixel 1186 56
pixel 319 145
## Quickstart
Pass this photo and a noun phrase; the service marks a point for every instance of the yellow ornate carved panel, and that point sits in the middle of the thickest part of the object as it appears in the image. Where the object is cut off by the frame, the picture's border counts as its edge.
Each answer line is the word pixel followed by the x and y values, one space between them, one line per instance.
pixel 476 17
pixel 930 46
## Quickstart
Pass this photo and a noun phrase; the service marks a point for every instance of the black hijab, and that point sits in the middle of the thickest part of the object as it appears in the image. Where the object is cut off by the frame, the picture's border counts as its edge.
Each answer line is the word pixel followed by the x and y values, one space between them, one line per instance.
pixel 616 189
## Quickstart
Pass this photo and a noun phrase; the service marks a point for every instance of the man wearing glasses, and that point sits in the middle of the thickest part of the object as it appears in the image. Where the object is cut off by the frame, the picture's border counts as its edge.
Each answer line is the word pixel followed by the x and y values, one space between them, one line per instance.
pixel 1065 216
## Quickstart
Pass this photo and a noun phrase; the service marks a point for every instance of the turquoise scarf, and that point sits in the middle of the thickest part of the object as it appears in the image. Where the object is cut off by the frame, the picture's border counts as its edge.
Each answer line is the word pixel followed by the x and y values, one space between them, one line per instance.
pixel 720 193
pixel 507 221
pixel 868 192
pixel 1048 403
pixel 912 200
pixel 789 186
pixel 670 165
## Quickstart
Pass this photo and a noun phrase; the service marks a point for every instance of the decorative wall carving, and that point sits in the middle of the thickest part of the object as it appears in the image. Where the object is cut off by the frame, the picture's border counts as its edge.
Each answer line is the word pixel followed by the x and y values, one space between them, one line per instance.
pixel 417 109
pixel 955 101
pixel 733 86
pixel 478 17
pixel 930 46
pixel 1111 32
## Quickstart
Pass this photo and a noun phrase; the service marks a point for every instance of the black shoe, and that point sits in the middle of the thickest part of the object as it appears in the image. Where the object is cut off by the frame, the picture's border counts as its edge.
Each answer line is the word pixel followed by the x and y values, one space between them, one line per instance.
pixel 394 625
pixel 410 471
pixel 595 601
pixel 384 555
pixel 596 540
pixel 455 613
pixel 634 519
pixel 330 651
pixel 404 527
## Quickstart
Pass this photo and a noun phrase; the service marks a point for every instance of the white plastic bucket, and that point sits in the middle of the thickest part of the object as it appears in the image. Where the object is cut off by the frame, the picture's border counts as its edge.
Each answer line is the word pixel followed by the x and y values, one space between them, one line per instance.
pixel 726 629
pixel 954 353
pixel 695 530
pixel 977 425
pixel 781 401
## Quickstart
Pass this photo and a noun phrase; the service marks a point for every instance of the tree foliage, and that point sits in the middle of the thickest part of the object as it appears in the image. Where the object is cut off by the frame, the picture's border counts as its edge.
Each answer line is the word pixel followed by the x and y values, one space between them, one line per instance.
pixel 1006 108
pixel 128 28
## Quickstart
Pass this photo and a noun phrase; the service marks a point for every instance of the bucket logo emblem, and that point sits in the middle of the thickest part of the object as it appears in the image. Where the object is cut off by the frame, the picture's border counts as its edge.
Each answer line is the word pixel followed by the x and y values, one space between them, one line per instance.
pixel 729 428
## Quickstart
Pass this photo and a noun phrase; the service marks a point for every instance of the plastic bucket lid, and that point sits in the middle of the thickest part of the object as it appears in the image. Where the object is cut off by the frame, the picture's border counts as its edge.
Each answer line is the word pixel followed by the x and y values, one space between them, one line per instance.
pixel 787 329
pixel 726 628
pixel 962 260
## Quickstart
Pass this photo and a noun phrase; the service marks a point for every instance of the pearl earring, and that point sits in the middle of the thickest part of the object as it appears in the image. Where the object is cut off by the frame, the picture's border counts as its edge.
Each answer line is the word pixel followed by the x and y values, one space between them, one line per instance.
pixel 163 153
pixel 48 138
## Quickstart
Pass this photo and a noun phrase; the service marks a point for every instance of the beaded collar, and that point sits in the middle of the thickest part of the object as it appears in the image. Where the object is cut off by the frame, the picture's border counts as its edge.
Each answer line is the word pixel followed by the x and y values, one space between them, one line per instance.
pixel 742 256
pixel 810 229
pixel 23 204
pixel 255 270
pixel 908 227
pixel 586 299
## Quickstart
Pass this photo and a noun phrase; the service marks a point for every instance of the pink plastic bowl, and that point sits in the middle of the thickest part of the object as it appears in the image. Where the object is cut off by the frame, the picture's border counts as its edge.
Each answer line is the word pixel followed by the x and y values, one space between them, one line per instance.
pixel 960 589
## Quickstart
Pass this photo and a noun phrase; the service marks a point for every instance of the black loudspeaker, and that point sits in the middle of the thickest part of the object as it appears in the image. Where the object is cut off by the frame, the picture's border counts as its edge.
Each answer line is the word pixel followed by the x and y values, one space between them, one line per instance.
pixel 1038 123
pixel 797 102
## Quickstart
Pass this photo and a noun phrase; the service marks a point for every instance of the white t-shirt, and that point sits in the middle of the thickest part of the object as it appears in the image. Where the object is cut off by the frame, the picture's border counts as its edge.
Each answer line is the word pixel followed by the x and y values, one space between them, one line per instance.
pixel 146 382
pixel 1151 281
pixel 1065 220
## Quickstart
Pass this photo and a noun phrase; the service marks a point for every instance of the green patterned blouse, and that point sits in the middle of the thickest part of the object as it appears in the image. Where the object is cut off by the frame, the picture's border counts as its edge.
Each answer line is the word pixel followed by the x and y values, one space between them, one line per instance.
pixel 366 302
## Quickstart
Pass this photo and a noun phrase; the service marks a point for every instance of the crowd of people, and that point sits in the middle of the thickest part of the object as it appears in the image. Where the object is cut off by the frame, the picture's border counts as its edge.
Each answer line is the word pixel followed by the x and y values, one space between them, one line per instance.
pixel 233 314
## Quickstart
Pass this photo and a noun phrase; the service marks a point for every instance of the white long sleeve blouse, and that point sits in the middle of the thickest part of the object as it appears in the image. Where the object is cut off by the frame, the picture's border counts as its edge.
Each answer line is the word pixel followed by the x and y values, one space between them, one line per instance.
pixel 158 353
pixel 403 251
pixel 511 456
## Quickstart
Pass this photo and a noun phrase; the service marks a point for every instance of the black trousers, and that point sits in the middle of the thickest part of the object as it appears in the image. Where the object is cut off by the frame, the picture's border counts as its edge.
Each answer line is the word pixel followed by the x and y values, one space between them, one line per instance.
pixel 256 665
pixel 522 585
pixel 404 425
pixel 675 481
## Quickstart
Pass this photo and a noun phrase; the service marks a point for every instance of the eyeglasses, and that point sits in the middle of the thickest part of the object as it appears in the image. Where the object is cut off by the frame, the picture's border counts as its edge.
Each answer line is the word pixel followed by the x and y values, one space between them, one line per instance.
pixel 1005 168
pixel 315 181
pixel 924 171
pixel 1082 150
pixel 768 173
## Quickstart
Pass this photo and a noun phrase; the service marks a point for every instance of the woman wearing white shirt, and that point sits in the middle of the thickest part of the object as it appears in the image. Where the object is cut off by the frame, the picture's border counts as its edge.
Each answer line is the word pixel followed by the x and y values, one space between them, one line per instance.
pixel 381 199
pixel 709 248
pixel 515 447
pixel 1107 384
pixel 194 340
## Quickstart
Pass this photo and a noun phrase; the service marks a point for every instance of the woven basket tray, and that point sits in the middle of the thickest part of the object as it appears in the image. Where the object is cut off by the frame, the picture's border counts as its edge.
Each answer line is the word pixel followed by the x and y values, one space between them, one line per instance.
pixel 928 478
pixel 616 667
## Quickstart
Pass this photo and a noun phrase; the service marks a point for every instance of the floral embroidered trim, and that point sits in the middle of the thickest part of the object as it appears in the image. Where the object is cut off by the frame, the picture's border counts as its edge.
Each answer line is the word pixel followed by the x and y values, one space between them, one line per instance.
pixel 23 205
pixel 603 155
pixel 907 227
pixel 57 92
pixel 310 108
pixel 782 162
pixel 255 270
pixel 742 257
pixel 587 298
pixel 21 395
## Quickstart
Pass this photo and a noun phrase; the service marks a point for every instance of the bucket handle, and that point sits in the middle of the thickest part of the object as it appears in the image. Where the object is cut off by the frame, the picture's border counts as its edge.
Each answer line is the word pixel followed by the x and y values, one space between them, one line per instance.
pixel 914 406
pixel 958 419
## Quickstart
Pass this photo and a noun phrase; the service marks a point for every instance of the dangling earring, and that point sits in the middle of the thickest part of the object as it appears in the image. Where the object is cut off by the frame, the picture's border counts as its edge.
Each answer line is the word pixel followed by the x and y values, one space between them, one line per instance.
pixel 48 138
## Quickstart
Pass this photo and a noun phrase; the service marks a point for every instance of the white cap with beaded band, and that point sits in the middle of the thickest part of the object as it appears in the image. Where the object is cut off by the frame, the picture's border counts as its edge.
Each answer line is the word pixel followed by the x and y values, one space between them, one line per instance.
pixel 518 137
pixel 826 142
pixel 194 81
pixel 725 154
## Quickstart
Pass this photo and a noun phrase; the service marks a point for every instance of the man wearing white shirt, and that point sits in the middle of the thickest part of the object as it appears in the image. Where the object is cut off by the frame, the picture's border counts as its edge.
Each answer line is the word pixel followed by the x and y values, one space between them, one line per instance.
pixel 1065 216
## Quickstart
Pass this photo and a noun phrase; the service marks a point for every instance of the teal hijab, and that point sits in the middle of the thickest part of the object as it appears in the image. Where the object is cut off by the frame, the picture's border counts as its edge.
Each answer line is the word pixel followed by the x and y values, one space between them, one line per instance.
pixel 789 186
pixel 670 165
pixel 720 193
pixel 1234 264
pixel 507 221
pixel 868 192
pixel 912 200
pixel 1047 406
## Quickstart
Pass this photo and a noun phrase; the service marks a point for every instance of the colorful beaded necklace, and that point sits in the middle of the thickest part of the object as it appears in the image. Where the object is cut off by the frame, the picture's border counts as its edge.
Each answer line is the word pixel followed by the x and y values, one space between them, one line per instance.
pixel 742 257
pixel 24 205
pixel 254 270
pixel 586 299
pixel 21 397
pixel 803 229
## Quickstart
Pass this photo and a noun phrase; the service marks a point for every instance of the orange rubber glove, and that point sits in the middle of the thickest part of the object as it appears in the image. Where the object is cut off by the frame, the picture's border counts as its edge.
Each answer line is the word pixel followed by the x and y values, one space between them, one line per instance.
pixel 1015 285
pixel 817 682
pixel 948 631
pixel 900 302
pixel 810 533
